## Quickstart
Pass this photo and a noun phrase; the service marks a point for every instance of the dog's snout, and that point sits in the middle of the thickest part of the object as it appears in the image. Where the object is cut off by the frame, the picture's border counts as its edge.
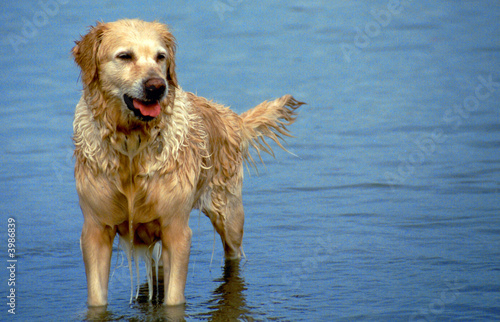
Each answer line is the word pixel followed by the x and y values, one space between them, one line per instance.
pixel 154 88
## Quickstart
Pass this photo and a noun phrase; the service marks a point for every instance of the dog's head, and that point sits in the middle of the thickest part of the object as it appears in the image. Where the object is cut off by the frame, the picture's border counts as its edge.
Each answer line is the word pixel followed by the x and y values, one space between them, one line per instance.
pixel 131 64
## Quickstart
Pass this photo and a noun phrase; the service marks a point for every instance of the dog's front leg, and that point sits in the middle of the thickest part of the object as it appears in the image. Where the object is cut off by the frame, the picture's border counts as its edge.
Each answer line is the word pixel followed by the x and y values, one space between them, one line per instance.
pixel 97 245
pixel 176 241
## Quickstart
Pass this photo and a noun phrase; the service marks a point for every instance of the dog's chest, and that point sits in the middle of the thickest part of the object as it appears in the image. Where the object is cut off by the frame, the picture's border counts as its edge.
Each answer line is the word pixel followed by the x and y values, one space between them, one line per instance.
pixel 150 178
pixel 131 144
pixel 140 198
pixel 154 188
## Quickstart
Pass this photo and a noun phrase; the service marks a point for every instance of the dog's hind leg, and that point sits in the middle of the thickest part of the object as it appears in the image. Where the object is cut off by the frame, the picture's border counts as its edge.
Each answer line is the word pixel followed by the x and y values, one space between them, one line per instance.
pixel 97 245
pixel 228 222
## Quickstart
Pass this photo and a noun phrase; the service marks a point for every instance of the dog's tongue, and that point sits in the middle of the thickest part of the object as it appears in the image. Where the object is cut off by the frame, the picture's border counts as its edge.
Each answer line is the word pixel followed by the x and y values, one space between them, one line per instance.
pixel 152 110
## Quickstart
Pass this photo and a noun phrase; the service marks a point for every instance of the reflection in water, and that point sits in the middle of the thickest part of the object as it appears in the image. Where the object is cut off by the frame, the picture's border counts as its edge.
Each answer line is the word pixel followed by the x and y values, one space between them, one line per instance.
pixel 228 300
pixel 143 309
pixel 100 313
pixel 140 312
pixel 227 304
pixel 161 312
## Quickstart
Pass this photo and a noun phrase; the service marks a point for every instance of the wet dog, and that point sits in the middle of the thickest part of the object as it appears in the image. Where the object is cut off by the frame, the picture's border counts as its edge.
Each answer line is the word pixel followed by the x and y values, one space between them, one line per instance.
pixel 147 153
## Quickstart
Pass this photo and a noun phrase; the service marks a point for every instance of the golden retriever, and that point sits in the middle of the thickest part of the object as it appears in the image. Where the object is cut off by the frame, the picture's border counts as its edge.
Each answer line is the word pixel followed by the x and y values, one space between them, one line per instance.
pixel 147 153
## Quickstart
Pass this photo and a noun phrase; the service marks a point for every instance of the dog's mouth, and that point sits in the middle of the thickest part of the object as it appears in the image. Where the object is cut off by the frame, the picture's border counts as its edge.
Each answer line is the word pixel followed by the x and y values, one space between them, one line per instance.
pixel 144 110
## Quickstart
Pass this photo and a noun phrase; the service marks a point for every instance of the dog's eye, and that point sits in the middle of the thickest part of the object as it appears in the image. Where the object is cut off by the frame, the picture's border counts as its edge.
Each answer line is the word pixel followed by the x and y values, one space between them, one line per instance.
pixel 124 56
pixel 161 56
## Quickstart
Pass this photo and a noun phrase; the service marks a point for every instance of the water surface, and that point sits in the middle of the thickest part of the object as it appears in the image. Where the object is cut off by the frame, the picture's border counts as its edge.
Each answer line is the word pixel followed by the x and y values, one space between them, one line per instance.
pixel 389 211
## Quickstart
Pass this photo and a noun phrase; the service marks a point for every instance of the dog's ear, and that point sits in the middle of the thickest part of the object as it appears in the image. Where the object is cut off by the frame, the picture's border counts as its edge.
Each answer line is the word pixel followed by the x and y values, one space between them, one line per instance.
pixel 85 53
pixel 171 76
pixel 169 42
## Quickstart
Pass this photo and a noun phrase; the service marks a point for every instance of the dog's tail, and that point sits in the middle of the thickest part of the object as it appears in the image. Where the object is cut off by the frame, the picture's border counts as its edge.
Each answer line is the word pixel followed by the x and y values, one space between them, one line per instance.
pixel 268 119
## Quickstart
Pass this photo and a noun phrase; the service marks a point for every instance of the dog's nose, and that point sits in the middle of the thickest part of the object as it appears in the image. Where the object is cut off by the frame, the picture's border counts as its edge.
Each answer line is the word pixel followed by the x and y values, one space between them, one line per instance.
pixel 154 88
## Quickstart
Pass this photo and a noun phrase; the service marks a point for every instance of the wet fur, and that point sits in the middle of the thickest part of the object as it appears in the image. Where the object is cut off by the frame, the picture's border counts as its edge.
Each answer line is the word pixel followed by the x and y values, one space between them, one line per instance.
pixel 141 179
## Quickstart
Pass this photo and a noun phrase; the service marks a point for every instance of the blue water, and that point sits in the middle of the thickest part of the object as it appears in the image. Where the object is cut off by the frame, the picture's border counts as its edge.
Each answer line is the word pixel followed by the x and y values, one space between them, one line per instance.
pixel 389 211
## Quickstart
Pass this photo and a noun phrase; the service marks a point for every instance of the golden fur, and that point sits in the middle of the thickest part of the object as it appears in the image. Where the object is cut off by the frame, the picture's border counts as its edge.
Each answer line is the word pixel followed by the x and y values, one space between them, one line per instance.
pixel 140 176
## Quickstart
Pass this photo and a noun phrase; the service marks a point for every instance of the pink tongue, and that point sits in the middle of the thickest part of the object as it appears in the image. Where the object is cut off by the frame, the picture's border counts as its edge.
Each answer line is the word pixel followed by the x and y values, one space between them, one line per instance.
pixel 152 110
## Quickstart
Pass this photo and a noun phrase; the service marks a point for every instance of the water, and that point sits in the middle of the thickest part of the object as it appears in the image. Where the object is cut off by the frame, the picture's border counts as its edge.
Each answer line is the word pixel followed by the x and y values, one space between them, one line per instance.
pixel 390 211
